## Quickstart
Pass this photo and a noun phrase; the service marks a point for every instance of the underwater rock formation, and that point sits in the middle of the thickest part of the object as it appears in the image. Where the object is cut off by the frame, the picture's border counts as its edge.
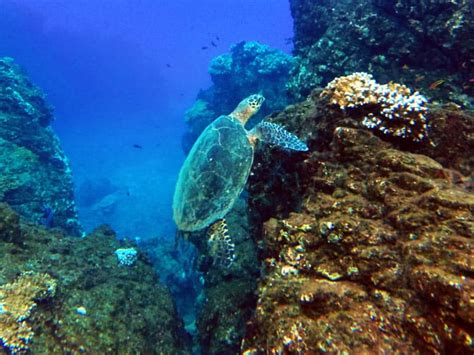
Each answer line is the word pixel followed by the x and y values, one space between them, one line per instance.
pixel 249 68
pixel 426 45
pixel 229 293
pixel 174 262
pixel 35 174
pixel 367 239
pixel 62 294
pixel 91 191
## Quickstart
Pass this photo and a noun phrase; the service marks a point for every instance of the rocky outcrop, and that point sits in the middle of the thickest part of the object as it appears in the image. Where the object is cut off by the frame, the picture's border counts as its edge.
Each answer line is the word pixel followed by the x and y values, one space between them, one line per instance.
pixel 66 294
pixel 367 239
pixel 35 173
pixel 426 45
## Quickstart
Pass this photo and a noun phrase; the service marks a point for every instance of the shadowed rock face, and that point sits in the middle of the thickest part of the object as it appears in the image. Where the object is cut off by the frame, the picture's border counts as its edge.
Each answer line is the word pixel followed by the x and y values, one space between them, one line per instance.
pixel 368 240
pixel 34 170
pixel 229 292
pixel 415 43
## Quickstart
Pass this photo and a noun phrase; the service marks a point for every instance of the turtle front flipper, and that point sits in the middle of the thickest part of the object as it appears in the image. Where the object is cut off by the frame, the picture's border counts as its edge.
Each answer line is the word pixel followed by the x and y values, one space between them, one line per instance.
pixel 275 134
pixel 221 247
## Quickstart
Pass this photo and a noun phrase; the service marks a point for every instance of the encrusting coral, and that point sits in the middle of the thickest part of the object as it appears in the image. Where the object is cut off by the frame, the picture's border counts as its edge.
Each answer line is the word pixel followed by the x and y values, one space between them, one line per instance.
pixel 17 302
pixel 393 109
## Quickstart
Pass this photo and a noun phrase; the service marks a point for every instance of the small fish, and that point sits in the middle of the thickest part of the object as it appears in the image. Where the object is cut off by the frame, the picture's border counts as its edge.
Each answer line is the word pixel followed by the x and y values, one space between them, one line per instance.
pixel 436 84
pixel 213 44
pixel 168 65
pixel 204 48
pixel 137 146
pixel 405 67
pixel 419 78
pixel 217 38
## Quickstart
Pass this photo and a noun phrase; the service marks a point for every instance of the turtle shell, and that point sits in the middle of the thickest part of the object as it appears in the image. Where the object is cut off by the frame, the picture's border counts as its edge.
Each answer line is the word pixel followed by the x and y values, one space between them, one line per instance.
pixel 213 175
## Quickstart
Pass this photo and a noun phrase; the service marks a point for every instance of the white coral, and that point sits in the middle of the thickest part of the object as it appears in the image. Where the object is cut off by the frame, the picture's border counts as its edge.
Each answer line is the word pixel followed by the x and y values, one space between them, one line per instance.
pixel 395 110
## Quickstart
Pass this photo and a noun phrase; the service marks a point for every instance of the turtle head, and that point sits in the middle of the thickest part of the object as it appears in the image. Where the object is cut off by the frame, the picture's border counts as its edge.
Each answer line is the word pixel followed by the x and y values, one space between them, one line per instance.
pixel 247 108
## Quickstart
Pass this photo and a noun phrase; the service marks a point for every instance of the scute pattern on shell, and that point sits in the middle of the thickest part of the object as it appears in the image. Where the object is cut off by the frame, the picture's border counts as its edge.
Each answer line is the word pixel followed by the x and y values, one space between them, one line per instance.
pixel 213 175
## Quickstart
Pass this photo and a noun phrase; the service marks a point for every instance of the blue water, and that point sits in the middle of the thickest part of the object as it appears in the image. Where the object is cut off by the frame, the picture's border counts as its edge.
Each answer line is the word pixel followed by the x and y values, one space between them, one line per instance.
pixel 121 73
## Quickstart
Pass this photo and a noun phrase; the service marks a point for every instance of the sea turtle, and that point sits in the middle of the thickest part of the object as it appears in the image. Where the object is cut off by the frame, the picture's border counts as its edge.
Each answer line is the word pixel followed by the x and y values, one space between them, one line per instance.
pixel 216 170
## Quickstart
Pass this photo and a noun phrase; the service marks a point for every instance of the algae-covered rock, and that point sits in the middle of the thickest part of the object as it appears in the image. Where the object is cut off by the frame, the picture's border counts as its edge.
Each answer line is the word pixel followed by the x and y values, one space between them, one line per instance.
pixel 99 305
pixel 229 294
pixel 35 173
pixel 222 319
pixel 427 45
pixel 368 239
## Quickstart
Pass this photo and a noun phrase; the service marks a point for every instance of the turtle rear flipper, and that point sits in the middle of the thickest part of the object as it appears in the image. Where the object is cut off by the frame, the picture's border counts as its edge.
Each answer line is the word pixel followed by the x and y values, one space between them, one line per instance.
pixel 275 134
pixel 221 247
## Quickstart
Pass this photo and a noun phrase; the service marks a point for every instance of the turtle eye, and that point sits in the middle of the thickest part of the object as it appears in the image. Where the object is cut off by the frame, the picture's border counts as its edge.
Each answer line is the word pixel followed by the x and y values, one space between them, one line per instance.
pixel 259 99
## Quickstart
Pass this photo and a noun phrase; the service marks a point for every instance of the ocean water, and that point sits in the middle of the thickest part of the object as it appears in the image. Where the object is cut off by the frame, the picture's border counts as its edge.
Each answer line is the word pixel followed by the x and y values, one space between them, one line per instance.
pixel 120 75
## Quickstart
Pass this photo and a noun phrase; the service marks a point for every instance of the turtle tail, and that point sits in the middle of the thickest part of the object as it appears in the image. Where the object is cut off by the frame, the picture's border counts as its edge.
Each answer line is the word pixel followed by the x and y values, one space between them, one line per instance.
pixel 276 134
pixel 221 247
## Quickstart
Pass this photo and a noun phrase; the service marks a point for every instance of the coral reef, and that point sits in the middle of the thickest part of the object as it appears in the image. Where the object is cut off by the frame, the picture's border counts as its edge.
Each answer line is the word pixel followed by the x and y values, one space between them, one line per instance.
pixel 249 68
pixel 367 239
pixel 98 307
pixel 418 44
pixel 35 171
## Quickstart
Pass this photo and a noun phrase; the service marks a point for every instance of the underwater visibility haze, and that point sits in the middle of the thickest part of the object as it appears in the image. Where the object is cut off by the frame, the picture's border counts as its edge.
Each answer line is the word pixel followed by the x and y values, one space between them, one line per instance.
pixel 236 177
pixel 120 75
